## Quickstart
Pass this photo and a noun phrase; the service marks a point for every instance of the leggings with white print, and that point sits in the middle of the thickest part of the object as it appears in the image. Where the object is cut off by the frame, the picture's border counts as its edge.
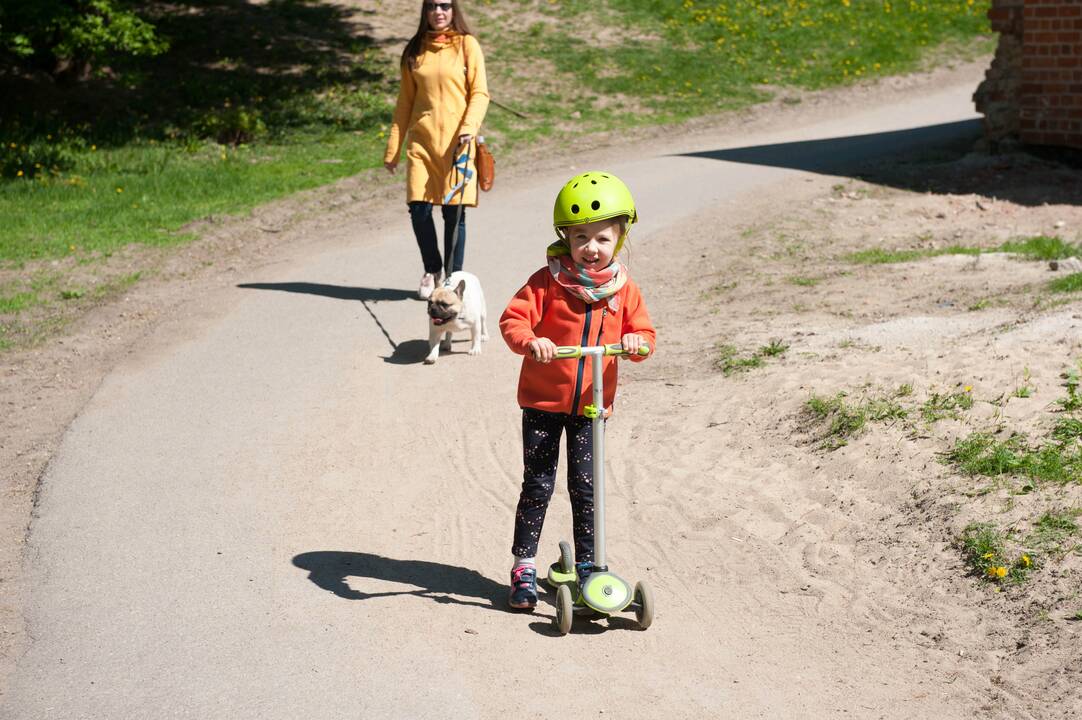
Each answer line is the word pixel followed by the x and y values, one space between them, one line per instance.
pixel 541 432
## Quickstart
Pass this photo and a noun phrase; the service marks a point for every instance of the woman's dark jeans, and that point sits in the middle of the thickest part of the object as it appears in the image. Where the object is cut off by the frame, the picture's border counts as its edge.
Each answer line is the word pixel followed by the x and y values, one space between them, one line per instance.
pixel 425 230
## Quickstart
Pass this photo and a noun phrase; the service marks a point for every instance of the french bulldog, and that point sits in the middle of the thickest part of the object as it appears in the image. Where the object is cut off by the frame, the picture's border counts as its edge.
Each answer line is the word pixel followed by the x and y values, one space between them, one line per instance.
pixel 455 306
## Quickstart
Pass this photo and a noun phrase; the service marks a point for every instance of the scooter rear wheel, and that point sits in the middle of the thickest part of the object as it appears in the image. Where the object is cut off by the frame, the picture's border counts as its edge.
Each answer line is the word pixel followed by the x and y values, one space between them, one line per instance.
pixel 644 604
pixel 564 610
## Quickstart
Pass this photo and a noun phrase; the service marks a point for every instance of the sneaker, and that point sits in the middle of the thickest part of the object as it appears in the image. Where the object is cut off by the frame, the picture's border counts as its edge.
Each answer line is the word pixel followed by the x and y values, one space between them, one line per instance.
pixel 428 284
pixel 523 587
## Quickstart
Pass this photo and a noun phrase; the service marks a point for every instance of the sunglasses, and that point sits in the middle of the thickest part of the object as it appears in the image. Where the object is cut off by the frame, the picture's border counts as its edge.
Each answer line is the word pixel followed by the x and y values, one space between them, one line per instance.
pixel 430 6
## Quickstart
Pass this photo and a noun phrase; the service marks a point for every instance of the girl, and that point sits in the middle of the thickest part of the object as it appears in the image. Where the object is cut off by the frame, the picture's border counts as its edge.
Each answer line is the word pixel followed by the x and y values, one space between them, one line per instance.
pixel 582 297
pixel 441 103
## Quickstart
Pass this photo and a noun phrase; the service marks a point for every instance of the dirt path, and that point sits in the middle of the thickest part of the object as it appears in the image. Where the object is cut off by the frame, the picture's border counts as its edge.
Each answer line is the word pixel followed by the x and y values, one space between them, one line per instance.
pixel 271 509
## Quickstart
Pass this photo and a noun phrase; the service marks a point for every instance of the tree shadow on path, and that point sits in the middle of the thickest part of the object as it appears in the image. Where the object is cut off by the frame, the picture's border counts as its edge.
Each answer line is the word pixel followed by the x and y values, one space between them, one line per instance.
pixel 935 158
pixel 409 352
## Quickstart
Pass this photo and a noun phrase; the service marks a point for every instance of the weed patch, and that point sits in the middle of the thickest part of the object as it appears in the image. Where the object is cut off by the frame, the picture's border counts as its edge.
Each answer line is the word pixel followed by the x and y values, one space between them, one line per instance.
pixel 984 550
pixel 879 256
pixel 730 361
pixel 1052 530
pixel 842 421
pixel 1041 247
pixel 1066 284
pixel 946 405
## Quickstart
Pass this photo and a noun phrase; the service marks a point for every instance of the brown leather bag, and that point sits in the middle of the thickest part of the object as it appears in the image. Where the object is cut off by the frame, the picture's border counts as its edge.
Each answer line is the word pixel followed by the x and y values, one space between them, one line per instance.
pixel 486 166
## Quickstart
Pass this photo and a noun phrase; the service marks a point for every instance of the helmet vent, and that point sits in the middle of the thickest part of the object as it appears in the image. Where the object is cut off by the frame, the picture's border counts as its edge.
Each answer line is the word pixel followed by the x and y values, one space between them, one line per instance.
pixel 575 209
pixel 593 182
pixel 575 185
pixel 595 205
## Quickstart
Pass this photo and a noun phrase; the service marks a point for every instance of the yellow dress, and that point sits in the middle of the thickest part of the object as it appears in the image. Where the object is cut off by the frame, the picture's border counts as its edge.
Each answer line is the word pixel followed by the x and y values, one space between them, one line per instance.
pixel 444 96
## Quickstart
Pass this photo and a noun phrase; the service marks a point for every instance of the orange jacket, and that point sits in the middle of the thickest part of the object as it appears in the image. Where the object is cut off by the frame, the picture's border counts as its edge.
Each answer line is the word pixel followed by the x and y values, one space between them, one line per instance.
pixel 543 308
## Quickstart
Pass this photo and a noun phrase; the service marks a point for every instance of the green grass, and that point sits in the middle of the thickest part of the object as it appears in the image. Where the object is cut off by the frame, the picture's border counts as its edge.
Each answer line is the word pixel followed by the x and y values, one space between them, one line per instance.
pixel 984 551
pixel 945 405
pixel 143 193
pixel 982 454
pixel 844 421
pixel 879 256
pixel 1053 530
pixel 730 362
pixel 1039 247
pixel 1066 284
pixel 804 281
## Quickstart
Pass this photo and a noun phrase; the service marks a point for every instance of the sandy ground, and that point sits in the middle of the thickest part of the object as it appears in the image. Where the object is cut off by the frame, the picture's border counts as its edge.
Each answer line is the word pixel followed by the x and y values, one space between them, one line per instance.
pixel 255 501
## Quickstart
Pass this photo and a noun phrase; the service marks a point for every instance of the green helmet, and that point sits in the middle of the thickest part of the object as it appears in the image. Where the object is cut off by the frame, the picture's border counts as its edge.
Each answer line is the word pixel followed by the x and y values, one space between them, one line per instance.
pixel 593 196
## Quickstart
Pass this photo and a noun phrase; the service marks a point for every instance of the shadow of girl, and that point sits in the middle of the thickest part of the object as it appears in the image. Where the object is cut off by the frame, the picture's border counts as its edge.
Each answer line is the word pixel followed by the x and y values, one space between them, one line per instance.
pixel 329 569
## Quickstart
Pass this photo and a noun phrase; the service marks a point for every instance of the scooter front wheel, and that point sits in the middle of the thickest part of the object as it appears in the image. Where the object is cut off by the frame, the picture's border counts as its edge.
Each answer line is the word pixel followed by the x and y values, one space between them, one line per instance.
pixel 644 604
pixel 564 610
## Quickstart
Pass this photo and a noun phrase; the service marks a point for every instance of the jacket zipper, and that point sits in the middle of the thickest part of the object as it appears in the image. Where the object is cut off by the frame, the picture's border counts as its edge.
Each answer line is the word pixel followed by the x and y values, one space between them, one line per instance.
pixel 582 361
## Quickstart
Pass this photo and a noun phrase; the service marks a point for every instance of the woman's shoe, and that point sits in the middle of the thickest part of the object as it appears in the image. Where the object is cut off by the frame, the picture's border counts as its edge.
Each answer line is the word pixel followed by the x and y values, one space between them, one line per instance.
pixel 428 284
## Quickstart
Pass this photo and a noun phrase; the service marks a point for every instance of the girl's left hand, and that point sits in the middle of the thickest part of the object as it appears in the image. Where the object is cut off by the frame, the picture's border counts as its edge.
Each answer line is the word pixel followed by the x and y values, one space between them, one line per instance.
pixel 464 140
pixel 631 343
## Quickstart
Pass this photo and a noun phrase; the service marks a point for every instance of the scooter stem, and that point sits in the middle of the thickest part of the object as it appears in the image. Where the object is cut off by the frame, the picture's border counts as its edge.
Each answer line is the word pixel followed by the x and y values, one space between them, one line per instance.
pixel 599 460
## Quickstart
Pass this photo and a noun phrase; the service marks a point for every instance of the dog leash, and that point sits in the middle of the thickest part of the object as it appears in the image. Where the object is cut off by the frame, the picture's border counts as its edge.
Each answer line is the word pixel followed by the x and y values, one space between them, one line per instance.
pixel 461 166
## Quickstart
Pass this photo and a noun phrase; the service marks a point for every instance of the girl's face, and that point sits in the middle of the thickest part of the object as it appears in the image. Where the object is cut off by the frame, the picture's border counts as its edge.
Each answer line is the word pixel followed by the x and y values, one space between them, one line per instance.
pixel 439 14
pixel 593 244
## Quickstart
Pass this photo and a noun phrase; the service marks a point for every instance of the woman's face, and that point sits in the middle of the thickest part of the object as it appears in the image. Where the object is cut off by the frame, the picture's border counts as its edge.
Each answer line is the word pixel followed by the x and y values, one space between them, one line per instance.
pixel 439 14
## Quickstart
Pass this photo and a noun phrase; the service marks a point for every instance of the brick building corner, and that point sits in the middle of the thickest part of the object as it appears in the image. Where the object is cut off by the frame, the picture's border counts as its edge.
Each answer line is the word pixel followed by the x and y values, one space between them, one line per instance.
pixel 1032 93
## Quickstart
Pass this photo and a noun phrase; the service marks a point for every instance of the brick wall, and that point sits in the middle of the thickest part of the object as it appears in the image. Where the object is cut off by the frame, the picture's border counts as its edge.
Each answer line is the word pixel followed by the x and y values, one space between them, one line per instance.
pixel 1050 101
pixel 1033 90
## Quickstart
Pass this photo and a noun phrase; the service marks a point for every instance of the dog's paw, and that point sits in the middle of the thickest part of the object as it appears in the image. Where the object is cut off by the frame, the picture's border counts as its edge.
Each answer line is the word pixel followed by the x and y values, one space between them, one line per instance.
pixel 474 351
pixel 430 360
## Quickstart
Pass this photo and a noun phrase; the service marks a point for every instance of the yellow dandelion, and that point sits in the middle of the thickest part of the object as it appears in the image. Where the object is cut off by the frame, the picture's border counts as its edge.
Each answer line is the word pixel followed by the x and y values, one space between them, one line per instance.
pixel 1026 561
pixel 1001 571
pixel 19 174
pixel 94 148
pixel 967 388
pixel 120 190
pixel 988 555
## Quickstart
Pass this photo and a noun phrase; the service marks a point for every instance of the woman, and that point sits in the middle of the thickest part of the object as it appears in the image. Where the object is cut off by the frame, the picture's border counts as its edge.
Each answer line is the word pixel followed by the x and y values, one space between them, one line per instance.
pixel 441 103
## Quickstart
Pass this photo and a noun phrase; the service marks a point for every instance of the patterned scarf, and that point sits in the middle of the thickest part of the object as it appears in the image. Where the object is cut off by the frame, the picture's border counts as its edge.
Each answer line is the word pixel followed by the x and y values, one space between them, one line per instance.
pixel 587 285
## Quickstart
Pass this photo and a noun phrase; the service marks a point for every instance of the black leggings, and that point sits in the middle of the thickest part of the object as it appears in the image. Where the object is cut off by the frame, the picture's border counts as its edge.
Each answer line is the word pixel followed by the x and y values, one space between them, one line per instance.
pixel 425 231
pixel 541 433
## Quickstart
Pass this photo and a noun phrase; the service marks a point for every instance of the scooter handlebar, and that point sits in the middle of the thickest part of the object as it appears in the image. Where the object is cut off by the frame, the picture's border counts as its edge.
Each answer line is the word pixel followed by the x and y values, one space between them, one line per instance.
pixel 577 351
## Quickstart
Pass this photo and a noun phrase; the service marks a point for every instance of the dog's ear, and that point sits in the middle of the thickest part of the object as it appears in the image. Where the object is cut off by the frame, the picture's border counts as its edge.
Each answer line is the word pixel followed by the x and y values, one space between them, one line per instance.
pixel 460 288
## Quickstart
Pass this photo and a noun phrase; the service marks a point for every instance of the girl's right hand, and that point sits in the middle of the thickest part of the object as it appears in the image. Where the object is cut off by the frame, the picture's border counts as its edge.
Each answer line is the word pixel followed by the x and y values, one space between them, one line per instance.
pixel 542 350
pixel 391 166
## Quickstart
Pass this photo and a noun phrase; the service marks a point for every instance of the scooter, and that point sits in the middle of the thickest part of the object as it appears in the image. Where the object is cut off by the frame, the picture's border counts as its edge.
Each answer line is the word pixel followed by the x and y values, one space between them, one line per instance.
pixel 604 593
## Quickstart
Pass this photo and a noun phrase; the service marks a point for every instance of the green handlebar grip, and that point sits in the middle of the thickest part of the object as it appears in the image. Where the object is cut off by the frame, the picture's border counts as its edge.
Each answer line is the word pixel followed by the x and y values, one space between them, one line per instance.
pixel 618 349
pixel 575 351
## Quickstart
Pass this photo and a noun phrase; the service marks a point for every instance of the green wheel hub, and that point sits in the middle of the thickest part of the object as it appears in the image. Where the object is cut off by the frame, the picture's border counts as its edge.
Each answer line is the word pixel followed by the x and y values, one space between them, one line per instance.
pixel 607 593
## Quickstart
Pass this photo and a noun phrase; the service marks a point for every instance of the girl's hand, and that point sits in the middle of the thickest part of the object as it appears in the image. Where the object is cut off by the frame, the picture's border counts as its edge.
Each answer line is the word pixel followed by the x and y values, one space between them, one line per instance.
pixel 631 343
pixel 542 350
pixel 391 166
pixel 464 140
